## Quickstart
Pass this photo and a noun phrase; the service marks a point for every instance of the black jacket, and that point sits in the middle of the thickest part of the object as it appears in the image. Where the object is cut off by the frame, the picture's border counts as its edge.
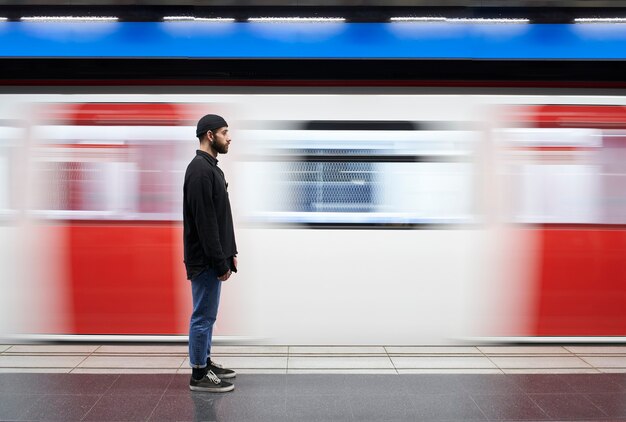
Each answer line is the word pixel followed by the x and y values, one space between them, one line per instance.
pixel 209 236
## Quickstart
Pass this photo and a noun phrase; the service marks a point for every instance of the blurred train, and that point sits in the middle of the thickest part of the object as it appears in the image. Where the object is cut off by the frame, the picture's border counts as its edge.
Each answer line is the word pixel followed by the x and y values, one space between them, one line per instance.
pixel 361 217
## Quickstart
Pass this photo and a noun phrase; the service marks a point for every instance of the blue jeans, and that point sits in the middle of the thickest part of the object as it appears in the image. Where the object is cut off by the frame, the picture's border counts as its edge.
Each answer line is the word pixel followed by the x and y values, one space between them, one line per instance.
pixel 205 290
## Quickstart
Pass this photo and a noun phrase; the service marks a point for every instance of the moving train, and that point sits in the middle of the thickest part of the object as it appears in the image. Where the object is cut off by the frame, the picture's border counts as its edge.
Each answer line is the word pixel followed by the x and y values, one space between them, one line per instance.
pixel 362 217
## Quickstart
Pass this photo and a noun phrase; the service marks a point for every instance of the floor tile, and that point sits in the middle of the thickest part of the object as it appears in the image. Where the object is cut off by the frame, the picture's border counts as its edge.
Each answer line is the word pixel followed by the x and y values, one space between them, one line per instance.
pixel 581 350
pixel 140 384
pixel 613 404
pixel 318 408
pixel 437 407
pixel 382 407
pixel 592 383
pixel 60 407
pixel 524 350
pixel 431 362
pixel 36 370
pixel 450 371
pixel 343 371
pixel 260 385
pixel 190 407
pixel 606 361
pixel 508 362
pixel 93 361
pixel 251 408
pixel 55 383
pixel 249 350
pixel 176 349
pixel 432 350
pixel 337 350
pixel 13 406
pixel 368 384
pixel 4 347
pixel 7 361
pixel 283 371
pixel 431 384
pixel 315 385
pixel 250 362
pixel 57 348
pixel 123 408
pixel 552 371
pixel 567 406
pixel 509 407
pixel 339 362
pixel 125 371
pixel 612 370
pixel 489 384
pixel 545 383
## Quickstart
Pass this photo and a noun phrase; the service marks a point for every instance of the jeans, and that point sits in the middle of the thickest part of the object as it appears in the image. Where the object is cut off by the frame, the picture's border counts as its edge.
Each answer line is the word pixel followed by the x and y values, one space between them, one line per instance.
pixel 205 290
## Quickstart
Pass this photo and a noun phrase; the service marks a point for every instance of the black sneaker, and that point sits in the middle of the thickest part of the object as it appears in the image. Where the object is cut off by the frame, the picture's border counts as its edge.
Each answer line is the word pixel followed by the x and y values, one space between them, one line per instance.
pixel 220 371
pixel 210 383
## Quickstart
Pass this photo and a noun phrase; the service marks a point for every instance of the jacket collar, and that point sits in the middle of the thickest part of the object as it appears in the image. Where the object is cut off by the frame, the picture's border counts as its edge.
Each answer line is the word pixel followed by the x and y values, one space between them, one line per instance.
pixel 207 156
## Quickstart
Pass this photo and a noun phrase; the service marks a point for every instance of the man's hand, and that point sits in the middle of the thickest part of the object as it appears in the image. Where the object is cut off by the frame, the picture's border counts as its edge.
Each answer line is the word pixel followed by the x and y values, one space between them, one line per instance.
pixel 225 276
pixel 235 262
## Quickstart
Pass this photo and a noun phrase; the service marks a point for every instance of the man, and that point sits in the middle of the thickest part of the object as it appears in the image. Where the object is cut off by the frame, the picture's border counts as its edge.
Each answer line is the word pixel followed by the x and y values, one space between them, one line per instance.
pixel 210 249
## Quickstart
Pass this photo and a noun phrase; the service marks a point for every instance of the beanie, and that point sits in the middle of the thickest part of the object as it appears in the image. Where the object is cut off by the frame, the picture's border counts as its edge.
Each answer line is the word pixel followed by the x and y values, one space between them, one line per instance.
pixel 209 122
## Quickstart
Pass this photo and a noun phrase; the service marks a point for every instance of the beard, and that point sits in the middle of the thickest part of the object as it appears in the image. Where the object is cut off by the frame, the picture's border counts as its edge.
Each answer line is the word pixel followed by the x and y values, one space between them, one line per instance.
pixel 220 148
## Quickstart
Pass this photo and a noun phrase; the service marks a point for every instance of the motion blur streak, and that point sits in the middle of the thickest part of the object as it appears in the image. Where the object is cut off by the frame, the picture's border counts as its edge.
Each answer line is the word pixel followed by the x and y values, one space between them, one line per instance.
pixel 360 218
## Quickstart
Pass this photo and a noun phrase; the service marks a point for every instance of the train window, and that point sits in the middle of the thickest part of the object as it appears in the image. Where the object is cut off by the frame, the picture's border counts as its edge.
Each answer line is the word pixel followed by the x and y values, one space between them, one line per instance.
pixel 344 175
pixel 555 175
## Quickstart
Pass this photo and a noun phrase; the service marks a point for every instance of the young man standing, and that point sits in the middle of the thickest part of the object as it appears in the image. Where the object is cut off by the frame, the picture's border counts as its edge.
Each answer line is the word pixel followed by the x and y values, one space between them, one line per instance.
pixel 210 249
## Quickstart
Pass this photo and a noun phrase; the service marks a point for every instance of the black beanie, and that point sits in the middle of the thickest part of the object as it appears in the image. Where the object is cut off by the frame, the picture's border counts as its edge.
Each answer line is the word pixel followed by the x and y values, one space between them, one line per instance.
pixel 209 122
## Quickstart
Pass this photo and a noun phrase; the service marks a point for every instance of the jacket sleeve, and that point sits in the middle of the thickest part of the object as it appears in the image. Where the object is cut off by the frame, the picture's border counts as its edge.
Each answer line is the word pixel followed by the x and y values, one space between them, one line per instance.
pixel 200 198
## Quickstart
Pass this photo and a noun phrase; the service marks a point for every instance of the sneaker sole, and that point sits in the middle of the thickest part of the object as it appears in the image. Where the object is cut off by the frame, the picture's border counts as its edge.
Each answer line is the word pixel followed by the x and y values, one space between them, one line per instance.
pixel 212 389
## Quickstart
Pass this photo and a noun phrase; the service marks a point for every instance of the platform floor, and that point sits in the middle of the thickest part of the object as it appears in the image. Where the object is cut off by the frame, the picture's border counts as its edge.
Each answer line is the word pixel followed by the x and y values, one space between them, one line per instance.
pixel 172 359
pixel 280 383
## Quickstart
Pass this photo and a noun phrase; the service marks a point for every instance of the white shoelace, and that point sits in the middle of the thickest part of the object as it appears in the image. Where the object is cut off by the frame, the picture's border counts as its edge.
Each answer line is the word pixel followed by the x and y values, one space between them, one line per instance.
pixel 217 365
pixel 211 375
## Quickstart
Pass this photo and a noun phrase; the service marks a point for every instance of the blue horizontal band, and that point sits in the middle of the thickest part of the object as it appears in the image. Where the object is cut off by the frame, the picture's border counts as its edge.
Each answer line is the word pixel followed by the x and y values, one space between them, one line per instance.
pixel 396 40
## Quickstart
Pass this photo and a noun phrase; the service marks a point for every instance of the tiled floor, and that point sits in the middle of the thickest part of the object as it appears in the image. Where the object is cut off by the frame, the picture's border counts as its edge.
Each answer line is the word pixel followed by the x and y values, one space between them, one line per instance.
pixel 298 383
pixel 316 397
pixel 167 358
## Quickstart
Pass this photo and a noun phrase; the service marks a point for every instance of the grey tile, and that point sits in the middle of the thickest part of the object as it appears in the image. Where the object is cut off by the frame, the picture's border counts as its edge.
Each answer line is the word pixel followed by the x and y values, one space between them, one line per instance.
pixel 13 406
pixel 592 383
pixel 252 408
pixel 382 407
pixel 195 406
pixel 542 383
pixel 567 406
pixel 140 384
pixel 318 408
pixel 123 408
pixel 382 385
pixel 33 383
pixel 489 384
pixel 509 407
pixel 60 407
pixel 260 385
pixel 431 384
pixel 437 407
pixel 316 384
pixel 613 404
pixel 617 379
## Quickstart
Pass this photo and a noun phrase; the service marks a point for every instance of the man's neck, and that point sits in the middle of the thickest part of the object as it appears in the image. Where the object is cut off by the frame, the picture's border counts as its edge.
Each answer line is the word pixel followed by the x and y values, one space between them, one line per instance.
pixel 207 148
